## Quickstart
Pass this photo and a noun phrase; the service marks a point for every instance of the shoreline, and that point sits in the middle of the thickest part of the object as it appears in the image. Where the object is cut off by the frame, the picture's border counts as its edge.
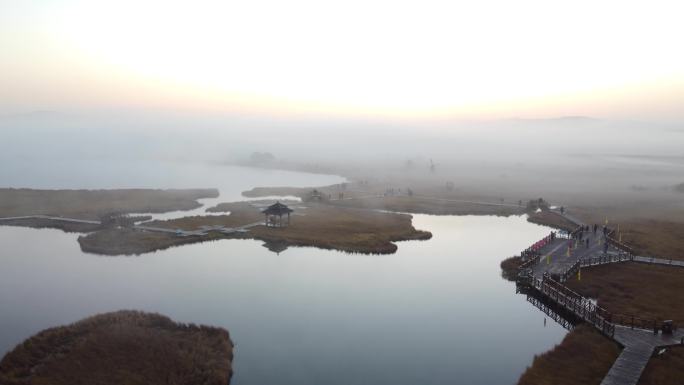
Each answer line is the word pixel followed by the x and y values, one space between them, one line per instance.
pixel 355 224
pixel 636 228
pixel 94 204
pixel 320 226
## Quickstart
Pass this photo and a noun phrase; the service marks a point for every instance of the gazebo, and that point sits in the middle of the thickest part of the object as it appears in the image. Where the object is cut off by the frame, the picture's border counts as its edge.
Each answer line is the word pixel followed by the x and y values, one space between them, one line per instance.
pixel 274 215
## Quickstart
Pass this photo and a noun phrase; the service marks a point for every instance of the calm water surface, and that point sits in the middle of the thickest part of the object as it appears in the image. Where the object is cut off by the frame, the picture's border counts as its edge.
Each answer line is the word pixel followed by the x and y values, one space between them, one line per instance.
pixel 436 312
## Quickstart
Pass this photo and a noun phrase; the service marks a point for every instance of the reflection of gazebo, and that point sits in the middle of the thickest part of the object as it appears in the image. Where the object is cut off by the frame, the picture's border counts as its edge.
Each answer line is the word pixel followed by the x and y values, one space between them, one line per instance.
pixel 276 246
pixel 274 215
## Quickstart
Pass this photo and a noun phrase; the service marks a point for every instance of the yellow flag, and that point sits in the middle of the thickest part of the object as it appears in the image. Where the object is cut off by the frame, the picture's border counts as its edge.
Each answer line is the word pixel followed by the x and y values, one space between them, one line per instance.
pixel 606 220
pixel 579 274
pixel 620 237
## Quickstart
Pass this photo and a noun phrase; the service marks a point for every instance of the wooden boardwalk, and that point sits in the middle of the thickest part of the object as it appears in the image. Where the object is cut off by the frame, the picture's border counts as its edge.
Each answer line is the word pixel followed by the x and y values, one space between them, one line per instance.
pixel 142 227
pixel 629 365
pixel 658 261
pixel 52 218
pixel 558 257
pixel 639 346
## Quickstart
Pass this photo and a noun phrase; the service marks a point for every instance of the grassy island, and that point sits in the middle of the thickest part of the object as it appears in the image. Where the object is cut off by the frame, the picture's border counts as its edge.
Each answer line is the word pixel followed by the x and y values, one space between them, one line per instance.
pixel 350 230
pixel 317 225
pixel 91 204
pixel 124 347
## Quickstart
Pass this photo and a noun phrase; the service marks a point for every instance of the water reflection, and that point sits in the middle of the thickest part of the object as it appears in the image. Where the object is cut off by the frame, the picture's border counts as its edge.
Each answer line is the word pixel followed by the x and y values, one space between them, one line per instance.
pixel 436 312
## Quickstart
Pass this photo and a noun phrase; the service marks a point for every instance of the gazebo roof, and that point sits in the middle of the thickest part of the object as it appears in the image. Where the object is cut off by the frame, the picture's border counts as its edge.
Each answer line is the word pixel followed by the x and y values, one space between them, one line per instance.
pixel 277 209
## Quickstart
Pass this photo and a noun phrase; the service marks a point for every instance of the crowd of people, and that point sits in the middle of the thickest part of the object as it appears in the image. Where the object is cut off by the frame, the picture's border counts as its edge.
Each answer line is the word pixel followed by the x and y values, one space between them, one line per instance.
pixel 580 237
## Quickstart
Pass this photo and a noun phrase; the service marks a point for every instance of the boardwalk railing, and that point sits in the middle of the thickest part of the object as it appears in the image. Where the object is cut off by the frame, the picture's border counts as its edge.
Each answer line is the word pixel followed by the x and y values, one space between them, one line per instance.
pixel 594 261
pixel 570 271
pixel 619 245
pixel 651 324
pixel 533 251
pixel 605 259
pixel 658 261
pixel 552 287
pixel 636 322
pixel 526 268
pixel 532 255
pixel 550 311
pixel 545 289
pixel 582 307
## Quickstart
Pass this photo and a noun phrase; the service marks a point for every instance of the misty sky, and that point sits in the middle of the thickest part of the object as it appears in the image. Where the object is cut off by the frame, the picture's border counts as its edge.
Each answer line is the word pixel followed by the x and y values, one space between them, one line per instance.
pixel 471 59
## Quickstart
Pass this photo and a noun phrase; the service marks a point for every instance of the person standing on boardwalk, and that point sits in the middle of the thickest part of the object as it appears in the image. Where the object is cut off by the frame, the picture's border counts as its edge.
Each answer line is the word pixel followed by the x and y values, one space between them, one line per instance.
pixel 562 210
pixel 587 242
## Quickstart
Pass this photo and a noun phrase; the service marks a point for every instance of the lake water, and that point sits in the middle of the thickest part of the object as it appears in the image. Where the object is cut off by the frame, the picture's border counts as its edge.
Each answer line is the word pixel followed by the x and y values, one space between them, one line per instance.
pixel 436 312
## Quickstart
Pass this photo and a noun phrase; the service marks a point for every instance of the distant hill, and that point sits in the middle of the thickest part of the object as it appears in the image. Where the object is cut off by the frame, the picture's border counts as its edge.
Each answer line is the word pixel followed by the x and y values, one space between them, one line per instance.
pixel 561 119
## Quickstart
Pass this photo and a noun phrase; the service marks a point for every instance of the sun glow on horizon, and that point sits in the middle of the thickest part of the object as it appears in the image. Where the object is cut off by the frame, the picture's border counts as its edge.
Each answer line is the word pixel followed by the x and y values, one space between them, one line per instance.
pixel 404 58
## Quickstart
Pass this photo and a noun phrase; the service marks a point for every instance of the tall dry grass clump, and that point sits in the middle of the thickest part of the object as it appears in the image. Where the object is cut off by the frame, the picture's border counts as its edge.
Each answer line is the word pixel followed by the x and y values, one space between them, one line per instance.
pixel 124 347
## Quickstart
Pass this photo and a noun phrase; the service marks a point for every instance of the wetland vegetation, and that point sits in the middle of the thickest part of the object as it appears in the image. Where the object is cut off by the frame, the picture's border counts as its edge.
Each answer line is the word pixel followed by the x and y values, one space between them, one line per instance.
pixel 123 347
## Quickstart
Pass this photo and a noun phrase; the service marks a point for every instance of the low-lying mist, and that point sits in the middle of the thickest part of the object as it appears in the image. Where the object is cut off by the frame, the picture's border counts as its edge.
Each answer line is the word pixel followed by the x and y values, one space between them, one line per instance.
pixel 570 158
